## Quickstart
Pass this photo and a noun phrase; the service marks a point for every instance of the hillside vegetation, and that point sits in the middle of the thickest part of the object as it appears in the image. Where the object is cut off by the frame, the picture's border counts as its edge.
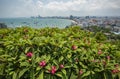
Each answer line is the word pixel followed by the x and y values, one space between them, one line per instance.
pixel 53 53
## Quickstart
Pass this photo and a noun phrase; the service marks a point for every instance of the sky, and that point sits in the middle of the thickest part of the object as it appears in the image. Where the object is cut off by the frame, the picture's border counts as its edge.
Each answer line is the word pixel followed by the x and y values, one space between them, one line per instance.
pixel 27 8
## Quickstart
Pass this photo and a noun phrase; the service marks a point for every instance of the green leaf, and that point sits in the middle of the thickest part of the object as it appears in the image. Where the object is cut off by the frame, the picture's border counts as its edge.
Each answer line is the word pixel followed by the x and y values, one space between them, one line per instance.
pixel 22 58
pixel 75 66
pixel 14 75
pixel 22 72
pixel 86 74
pixel 27 49
pixel 37 59
pixel 11 72
pixel 48 67
pixel 63 71
pixel 119 76
pixel 38 68
pixel 59 74
pixel 44 56
pixel 82 65
pixel 92 72
pixel 64 76
pixel 41 75
pixel 24 64
pixel 2 68
pixel 73 76
pixel 5 55
pixel 69 55
pixel 48 58
pixel 61 58
pixel 67 67
pixel 97 70
pixel 56 63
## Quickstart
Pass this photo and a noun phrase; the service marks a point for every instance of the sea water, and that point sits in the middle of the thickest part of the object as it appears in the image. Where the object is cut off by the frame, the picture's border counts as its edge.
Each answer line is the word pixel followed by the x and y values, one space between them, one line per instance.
pixel 35 22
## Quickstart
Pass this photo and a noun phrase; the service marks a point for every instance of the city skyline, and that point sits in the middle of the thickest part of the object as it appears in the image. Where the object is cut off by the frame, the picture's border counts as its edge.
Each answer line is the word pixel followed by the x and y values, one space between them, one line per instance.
pixel 27 8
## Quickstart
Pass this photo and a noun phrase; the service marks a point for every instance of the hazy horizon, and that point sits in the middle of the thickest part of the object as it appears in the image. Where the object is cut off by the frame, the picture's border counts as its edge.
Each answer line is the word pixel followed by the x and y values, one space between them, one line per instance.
pixel 27 8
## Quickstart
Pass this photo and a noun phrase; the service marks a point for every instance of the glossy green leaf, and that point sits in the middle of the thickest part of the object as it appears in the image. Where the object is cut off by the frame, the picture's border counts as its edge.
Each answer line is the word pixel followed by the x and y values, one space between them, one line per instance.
pixel 63 71
pixel 21 73
pixel 86 74
pixel 41 75
pixel 61 58
pixel 14 75
pixel 59 74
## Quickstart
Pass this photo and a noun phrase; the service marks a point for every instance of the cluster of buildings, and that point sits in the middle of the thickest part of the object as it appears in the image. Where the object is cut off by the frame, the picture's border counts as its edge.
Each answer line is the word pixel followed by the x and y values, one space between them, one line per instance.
pixel 112 23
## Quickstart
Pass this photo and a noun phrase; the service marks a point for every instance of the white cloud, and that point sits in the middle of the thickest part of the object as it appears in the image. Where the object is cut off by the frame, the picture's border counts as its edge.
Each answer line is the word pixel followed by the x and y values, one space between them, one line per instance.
pixel 62 6
pixel 80 5
pixel 58 7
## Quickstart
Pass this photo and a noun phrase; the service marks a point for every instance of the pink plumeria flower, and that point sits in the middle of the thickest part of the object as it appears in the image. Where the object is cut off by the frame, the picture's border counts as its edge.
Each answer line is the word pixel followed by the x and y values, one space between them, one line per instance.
pixel 53 70
pixel 42 63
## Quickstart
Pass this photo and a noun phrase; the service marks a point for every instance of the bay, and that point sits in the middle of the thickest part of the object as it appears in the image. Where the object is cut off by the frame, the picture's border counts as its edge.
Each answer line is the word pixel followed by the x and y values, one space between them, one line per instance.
pixel 36 22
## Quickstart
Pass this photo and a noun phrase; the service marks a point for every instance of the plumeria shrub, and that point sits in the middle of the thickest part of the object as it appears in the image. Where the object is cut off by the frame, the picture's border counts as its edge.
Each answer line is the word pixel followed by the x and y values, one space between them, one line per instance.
pixel 53 53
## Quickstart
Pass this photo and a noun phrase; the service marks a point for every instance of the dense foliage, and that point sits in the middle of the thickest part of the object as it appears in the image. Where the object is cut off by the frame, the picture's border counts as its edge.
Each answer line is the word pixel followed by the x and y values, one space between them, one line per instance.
pixel 53 53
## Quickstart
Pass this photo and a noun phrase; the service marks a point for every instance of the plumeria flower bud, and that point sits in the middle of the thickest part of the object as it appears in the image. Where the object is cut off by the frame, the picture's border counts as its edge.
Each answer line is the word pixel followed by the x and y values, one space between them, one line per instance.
pixel 94 60
pixel 25 30
pixel 74 47
pixel 114 71
pixel 29 54
pixel 108 57
pixel 61 66
pixel 104 62
pixel 80 72
pixel 76 60
pixel 99 52
pixel 117 65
